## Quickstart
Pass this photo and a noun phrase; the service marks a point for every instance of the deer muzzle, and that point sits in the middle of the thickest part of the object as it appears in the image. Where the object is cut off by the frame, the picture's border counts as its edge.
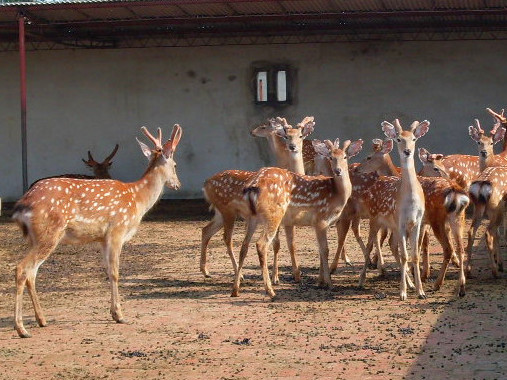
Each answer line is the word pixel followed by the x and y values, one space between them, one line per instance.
pixel 407 152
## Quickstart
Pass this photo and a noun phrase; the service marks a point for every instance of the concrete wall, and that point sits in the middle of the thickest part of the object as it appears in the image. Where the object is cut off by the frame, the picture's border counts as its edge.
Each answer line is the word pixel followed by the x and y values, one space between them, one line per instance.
pixel 80 100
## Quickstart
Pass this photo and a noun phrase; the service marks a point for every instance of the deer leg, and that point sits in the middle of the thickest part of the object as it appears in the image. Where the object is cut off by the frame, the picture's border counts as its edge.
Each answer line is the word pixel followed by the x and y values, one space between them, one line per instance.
pixel 208 231
pixel 26 273
pixel 262 246
pixel 393 244
pixel 380 256
pixel 366 252
pixel 112 249
pixel 228 223
pixel 289 235
pixel 403 266
pixel 442 234
pixel 324 274
pixel 250 229
pixel 472 232
pixel 425 256
pixel 492 243
pixel 342 228
pixel 414 247
pixel 456 222
pixel 374 260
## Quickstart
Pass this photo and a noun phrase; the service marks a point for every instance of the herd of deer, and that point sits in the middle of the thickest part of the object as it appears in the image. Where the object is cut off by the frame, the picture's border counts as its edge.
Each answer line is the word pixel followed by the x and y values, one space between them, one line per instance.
pixel 396 201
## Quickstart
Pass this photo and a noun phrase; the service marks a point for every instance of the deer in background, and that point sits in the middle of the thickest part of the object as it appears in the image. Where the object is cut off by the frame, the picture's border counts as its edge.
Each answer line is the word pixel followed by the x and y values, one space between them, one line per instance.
pixel 277 196
pixel 224 190
pixel 79 211
pixel 100 169
pixel 500 118
pixel 488 194
pixel 465 168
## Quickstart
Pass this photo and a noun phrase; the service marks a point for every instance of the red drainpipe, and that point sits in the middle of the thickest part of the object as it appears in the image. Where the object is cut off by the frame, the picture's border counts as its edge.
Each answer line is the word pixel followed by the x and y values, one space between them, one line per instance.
pixel 22 69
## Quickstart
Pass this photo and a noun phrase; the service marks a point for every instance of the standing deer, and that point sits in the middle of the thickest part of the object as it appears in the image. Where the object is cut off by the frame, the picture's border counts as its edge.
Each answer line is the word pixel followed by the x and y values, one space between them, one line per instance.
pixel 78 211
pixel 399 205
pixel 500 118
pixel 224 190
pixel 277 196
pixel 488 194
pixel 100 169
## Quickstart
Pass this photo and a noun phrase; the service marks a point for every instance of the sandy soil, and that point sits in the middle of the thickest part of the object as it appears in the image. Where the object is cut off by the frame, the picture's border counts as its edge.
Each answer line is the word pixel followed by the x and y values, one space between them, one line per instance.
pixel 184 326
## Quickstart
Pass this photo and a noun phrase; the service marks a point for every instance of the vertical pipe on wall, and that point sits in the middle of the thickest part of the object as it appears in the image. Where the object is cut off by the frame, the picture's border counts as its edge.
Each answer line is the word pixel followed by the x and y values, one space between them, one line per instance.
pixel 22 69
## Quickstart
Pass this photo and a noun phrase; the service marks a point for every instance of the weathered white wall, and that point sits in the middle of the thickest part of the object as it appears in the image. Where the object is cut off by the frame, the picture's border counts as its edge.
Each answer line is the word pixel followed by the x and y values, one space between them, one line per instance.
pixel 80 100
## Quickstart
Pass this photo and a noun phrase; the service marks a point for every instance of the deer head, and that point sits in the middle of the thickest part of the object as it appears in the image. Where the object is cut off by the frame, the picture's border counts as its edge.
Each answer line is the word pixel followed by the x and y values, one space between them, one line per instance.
pixel 432 164
pixel 336 156
pixel 101 169
pixel 379 160
pixel 405 140
pixel 484 141
pixel 293 136
pixel 161 157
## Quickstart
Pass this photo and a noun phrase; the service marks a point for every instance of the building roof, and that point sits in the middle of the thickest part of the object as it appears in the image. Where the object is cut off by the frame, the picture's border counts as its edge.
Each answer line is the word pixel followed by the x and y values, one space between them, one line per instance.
pixel 129 23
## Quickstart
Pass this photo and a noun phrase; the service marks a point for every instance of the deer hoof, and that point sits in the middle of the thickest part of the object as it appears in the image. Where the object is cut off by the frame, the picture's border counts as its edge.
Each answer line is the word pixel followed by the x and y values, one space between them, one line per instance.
pixel 422 296
pixel 403 296
pixel 23 333
pixel 235 293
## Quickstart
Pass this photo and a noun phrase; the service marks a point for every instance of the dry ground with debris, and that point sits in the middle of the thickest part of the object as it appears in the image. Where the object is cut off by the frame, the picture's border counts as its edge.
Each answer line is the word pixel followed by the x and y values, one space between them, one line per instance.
pixel 187 327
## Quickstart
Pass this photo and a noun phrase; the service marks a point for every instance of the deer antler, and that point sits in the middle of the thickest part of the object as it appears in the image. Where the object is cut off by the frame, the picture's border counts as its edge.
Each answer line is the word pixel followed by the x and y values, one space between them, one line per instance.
pixel 494 129
pixel 157 142
pixel 108 158
pixel 377 145
pixel 478 125
pixel 397 126
pixel 500 116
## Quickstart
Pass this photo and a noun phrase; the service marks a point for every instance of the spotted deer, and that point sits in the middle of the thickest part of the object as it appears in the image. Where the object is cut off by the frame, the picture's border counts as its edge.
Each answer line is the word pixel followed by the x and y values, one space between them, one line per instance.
pixel 398 205
pixel 224 190
pixel 277 196
pixel 488 193
pixel 465 168
pixel 100 169
pixel 445 202
pixel 79 211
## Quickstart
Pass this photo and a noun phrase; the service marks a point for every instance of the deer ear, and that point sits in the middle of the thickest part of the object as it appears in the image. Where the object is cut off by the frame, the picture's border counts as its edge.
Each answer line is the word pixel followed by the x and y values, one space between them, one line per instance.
pixel 389 130
pixel 320 148
pixel 421 129
pixel 387 146
pixel 307 125
pixel 474 133
pixel 354 148
pixel 499 135
pixel 438 156
pixel 144 148
pixel 423 155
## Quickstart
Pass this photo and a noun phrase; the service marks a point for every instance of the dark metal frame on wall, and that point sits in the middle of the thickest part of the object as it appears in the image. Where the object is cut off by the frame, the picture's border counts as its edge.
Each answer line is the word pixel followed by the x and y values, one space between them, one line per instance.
pixel 171 41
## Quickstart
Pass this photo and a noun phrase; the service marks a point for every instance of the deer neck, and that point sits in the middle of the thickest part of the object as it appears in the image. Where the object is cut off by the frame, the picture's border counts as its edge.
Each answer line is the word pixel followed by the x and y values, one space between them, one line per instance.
pixel 409 182
pixel 295 162
pixel 149 188
pixel 277 146
pixel 485 162
pixel 342 185
pixel 390 167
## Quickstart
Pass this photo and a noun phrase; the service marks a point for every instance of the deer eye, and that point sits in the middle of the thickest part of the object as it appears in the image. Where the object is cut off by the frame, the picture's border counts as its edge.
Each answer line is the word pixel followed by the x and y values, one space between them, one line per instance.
pixel 368 158
pixel 398 139
pixel 414 139
pixel 478 142
pixel 436 169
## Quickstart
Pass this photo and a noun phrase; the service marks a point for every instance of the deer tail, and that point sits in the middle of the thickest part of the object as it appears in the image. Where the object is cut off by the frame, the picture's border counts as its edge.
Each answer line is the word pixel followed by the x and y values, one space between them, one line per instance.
pixel 251 194
pixel 456 200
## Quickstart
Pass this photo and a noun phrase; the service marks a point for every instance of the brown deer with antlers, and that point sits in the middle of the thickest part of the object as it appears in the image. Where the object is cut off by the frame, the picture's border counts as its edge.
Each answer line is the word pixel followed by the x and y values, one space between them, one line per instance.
pixel 224 190
pixel 100 169
pixel 79 211
pixel 277 196
pixel 488 194
pixel 465 168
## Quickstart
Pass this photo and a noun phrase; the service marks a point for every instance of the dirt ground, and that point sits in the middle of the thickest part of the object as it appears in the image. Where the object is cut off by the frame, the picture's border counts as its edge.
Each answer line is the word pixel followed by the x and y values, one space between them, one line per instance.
pixel 183 326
